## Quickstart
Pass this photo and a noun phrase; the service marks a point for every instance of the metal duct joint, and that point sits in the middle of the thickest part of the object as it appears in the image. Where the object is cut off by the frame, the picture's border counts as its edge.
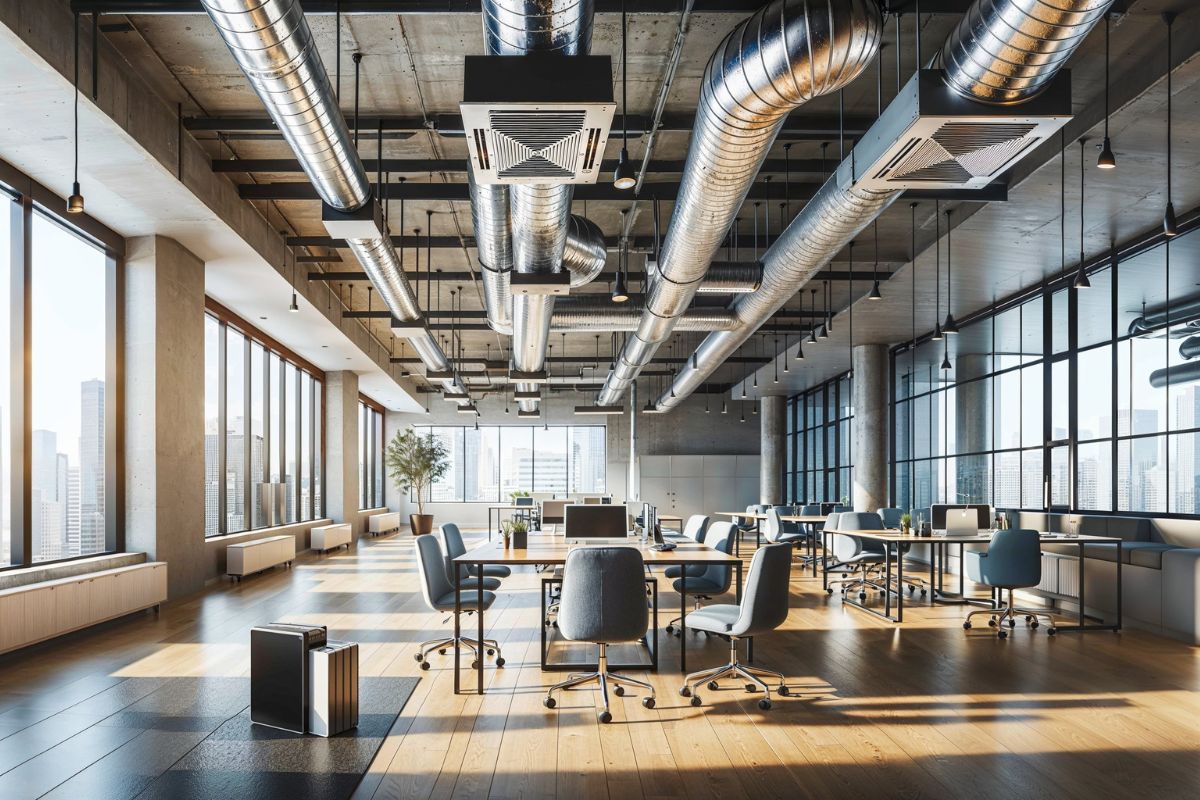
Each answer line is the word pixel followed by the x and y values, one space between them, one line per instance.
pixel 1006 51
pixel 731 278
pixel 786 54
pixel 840 210
pixel 272 44
pixel 585 252
pixel 589 315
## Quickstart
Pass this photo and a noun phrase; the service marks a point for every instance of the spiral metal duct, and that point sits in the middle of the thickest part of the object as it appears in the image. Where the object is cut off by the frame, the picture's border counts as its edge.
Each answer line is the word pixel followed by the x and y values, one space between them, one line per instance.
pixel 493 235
pixel 731 278
pixel 786 54
pixel 1005 51
pixel 585 251
pixel 538 214
pixel 587 315
pixel 272 44
pixel 840 210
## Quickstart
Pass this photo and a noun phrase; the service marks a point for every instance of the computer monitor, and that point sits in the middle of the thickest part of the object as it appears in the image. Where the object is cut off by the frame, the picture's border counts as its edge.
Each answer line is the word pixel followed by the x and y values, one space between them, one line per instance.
pixel 523 501
pixel 592 523
pixel 983 515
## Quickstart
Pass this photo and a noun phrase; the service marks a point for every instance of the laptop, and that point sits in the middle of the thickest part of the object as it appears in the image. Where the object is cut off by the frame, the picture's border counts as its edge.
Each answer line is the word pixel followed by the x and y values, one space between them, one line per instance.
pixel 962 521
pixel 596 524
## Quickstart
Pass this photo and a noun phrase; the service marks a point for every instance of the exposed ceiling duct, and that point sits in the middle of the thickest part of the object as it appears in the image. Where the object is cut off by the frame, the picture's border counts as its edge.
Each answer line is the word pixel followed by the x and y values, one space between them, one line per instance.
pixel 272 44
pixel 786 54
pixel 598 315
pixel 1004 52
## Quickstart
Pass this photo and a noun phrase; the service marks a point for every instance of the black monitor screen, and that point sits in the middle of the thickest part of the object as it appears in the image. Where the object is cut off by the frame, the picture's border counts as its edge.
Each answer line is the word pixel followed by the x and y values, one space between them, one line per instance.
pixel 982 512
pixel 595 522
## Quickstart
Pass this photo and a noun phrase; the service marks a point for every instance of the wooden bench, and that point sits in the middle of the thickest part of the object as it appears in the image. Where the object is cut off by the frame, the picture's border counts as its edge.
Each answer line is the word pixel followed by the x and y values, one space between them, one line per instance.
pixel 39 611
pixel 327 537
pixel 247 558
pixel 383 523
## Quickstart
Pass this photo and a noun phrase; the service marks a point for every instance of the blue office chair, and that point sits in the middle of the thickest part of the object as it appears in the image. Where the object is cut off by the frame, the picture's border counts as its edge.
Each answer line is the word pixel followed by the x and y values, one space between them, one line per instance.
pixel 715 579
pixel 891 517
pixel 857 558
pixel 777 531
pixel 439 596
pixel 1013 561
pixel 696 529
pixel 453 542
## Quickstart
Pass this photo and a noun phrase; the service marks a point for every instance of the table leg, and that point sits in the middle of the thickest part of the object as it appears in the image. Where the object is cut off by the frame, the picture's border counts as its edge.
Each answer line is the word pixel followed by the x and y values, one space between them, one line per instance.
pixel 1120 547
pixel 683 622
pixel 962 586
pixel 457 623
pixel 824 560
pixel 757 532
pixel 737 536
pixel 899 583
pixel 479 615
pixel 887 579
pixel 1081 581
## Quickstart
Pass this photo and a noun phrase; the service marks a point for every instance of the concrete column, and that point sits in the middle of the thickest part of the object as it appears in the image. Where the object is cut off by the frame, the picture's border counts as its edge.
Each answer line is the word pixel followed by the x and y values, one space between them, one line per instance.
pixel 772 421
pixel 164 409
pixel 341 447
pixel 870 425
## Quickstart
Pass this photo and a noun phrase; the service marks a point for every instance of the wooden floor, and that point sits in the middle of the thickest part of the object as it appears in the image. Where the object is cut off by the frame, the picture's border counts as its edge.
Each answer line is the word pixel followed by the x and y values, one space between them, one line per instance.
pixel 879 711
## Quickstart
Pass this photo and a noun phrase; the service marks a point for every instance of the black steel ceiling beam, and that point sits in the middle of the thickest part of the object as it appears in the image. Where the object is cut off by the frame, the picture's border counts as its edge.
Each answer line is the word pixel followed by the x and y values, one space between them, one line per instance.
pixel 423 166
pixel 325 7
pixel 584 360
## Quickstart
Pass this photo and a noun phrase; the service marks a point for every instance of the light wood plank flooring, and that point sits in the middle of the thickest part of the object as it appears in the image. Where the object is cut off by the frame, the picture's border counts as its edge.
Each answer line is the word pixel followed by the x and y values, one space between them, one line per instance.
pixel 919 710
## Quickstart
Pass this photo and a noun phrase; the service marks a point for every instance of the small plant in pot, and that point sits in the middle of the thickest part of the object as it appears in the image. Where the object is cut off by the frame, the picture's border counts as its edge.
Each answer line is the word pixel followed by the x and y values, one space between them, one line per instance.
pixel 520 534
pixel 415 463
pixel 906 524
pixel 506 532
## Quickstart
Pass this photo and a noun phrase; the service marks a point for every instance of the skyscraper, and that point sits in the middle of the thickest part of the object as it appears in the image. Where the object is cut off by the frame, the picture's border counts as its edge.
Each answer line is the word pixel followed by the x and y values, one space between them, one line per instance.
pixel 91 467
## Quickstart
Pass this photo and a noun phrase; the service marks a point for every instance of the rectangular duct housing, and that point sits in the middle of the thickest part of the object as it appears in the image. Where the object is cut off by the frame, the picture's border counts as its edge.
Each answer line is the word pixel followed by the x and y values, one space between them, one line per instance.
pixel 933 138
pixel 541 119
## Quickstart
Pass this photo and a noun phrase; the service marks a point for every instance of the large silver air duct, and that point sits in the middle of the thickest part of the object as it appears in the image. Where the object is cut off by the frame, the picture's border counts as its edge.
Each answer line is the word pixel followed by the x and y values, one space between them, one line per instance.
pixel 786 54
pixel 538 214
pixel 272 44
pixel 1004 51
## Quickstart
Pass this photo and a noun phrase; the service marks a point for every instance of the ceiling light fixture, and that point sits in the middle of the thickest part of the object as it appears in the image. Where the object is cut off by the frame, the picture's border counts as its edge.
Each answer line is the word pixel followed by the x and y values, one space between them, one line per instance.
pixel 950 325
pixel 1170 226
pixel 828 329
pixel 620 291
pixel 812 332
pixel 937 274
pixel 75 201
pixel 1081 278
pixel 295 306
pixel 1106 160
pixel 875 294
pixel 624 178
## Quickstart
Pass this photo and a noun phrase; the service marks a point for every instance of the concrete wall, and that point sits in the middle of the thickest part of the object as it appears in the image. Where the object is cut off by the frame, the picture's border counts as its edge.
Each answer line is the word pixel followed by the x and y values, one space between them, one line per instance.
pixel 772 424
pixel 164 409
pixel 341 448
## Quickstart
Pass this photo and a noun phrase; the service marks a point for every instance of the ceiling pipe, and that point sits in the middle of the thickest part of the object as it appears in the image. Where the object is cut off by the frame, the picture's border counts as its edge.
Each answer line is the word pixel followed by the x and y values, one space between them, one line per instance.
pixel 1035 37
pixel 588 315
pixel 272 44
pixel 584 253
pixel 786 54
pixel 538 214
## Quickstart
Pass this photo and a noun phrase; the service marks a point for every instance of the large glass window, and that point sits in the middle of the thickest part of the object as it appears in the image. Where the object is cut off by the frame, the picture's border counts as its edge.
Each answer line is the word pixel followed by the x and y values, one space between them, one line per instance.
pixel 8 212
pixel 370 455
pixel 489 463
pixel 263 440
pixel 820 443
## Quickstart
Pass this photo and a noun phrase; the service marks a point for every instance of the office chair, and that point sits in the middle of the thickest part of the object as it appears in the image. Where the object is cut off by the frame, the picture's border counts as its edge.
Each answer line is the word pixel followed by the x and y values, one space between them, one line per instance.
pixel 603 601
pixel 696 529
pixel 891 517
pixel 1012 561
pixel 439 596
pixel 714 580
pixel 857 558
pixel 777 531
pixel 453 542
pixel 764 608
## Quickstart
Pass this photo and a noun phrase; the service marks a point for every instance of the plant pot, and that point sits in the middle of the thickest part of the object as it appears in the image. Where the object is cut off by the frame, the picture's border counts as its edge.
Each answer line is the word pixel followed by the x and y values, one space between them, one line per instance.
pixel 520 540
pixel 420 523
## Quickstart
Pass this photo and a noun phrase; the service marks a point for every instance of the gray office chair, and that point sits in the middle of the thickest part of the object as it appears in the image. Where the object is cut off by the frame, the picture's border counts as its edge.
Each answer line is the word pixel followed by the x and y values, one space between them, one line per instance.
pixel 453 542
pixel 439 596
pixel 764 608
pixel 603 601
pixel 777 531
pixel 891 517
pixel 696 529
pixel 857 558
pixel 714 580
pixel 1013 561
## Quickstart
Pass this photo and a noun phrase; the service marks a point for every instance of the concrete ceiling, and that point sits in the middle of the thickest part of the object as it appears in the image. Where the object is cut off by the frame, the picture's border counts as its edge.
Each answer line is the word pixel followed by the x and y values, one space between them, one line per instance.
pixel 412 67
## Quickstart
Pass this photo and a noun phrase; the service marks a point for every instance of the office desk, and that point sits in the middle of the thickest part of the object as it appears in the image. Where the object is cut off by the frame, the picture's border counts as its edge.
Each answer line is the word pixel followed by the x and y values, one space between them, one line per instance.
pixel 808 519
pixel 547 549
pixel 736 515
pixel 894 541
pixel 499 510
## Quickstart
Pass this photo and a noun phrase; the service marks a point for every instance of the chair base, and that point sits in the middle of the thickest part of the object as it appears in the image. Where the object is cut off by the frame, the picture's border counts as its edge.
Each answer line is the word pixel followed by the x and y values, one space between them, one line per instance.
pixel 602 677
pixel 1008 613
pixel 445 643
pixel 735 668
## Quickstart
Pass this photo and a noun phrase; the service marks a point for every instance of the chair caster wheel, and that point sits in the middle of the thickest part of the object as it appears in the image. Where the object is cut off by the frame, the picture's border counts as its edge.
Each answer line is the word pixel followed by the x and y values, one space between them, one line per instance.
pixel 685 691
pixel 750 687
pixel 1051 631
pixel 713 686
pixel 923 593
pixel 619 691
pixel 647 702
pixel 491 652
pixel 829 590
pixel 554 623
pixel 695 699
pixel 424 665
pixel 605 717
pixel 549 702
pixel 966 626
pixel 475 664
pixel 1033 624
pixel 1012 623
pixel 442 652
pixel 764 704
pixel 418 658
pixel 670 629
pixel 784 691
pixel 992 622
pixel 1002 634
pixel 911 590
pixel 862 595
pixel 500 661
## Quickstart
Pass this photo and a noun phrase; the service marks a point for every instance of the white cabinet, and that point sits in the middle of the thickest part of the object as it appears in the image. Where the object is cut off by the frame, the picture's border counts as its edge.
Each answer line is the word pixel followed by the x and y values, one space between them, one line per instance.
pixel 246 558
pixel 686 485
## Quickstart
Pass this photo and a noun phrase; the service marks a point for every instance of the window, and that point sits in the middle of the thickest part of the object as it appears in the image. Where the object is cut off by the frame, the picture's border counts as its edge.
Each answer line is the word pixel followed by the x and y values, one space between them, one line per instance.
pixel 370 454
pixel 820 442
pixel 489 463
pixel 9 211
pixel 263 441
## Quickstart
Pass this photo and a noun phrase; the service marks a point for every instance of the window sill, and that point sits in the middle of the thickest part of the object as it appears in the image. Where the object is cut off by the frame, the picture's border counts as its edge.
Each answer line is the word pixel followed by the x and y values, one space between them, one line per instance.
pixel 258 533
pixel 38 573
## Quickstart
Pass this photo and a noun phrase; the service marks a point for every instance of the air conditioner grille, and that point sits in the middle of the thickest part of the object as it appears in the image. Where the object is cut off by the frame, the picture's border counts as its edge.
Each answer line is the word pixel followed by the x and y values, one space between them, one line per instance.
pixel 959 151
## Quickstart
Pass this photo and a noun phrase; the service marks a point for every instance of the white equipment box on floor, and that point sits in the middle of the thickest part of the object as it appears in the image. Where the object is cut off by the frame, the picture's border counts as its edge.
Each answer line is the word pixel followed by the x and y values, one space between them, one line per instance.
pixel 333 688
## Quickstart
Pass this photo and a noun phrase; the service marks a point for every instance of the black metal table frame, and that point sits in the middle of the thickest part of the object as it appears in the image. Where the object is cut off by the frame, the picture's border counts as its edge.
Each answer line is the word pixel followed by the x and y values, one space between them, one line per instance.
pixel 459 575
pixel 737 539
pixel 937 571
pixel 514 510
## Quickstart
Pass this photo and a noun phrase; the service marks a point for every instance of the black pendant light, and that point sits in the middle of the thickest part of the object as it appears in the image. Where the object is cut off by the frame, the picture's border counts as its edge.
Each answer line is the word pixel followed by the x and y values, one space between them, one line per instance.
pixel 294 307
pixel 946 357
pixel 1081 278
pixel 875 294
pixel 620 291
pixel 75 201
pixel 1106 160
pixel 949 325
pixel 1170 226
pixel 937 274
pixel 624 178
pixel 824 330
pixel 828 308
pixel 812 332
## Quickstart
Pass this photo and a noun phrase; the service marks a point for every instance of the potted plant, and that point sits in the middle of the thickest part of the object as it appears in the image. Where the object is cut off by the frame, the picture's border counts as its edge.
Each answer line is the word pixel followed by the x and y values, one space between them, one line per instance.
pixel 906 524
pixel 506 532
pixel 512 496
pixel 415 464
pixel 520 534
